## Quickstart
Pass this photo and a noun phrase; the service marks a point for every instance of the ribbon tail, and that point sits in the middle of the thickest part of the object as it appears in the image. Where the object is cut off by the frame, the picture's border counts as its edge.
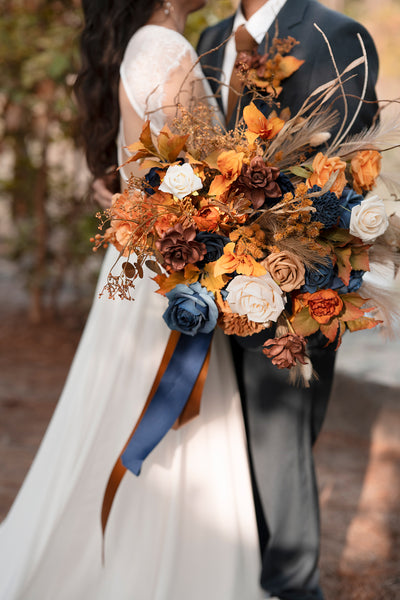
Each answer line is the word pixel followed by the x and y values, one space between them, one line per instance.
pixel 169 400
pixel 176 383
pixel 119 470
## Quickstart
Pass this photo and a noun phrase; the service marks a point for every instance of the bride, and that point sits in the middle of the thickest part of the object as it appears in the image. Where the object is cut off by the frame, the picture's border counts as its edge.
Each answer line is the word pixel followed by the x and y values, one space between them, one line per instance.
pixel 185 528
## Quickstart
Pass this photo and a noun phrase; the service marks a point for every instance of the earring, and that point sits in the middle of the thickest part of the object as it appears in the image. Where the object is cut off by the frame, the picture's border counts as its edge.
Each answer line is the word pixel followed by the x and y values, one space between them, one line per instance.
pixel 167 8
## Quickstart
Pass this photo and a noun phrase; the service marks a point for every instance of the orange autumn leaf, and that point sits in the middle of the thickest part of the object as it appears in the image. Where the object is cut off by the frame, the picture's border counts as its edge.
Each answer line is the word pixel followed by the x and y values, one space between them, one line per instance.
pixel 287 66
pixel 170 145
pixel 244 264
pixel 330 330
pixel 167 282
pixel 144 148
pixel 146 138
pixel 230 165
pixel 250 267
pixel 211 282
pixel 259 124
pixel 362 323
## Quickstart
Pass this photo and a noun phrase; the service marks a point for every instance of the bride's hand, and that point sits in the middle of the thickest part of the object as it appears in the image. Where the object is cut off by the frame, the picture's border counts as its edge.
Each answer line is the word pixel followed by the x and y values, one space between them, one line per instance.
pixel 100 193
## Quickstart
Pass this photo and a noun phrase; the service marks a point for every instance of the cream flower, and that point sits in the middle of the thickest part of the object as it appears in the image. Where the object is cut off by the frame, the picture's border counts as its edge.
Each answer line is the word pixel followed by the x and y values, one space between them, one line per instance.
pixel 180 180
pixel 258 298
pixel 369 219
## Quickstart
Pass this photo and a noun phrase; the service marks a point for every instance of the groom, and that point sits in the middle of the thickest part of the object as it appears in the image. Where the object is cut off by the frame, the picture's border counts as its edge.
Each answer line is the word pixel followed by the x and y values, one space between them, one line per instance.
pixel 287 502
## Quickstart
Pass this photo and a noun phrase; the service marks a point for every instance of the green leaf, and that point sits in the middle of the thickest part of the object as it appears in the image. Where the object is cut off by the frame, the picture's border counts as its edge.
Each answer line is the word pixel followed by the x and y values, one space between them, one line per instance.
pixel 303 172
pixel 304 324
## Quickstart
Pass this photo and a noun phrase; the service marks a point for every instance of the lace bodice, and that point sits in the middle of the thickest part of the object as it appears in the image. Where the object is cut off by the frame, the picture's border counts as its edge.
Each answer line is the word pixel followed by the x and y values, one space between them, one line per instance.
pixel 158 70
pixel 153 55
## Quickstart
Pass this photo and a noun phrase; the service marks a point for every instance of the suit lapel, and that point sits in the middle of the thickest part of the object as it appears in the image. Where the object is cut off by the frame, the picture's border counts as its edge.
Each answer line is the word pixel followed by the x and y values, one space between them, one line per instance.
pixel 290 15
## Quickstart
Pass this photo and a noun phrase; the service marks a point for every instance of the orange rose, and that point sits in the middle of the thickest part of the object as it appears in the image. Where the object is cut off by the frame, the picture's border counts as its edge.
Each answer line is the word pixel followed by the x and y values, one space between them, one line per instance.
pixel 323 305
pixel 365 167
pixel 230 165
pixel 164 223
pixel 323 169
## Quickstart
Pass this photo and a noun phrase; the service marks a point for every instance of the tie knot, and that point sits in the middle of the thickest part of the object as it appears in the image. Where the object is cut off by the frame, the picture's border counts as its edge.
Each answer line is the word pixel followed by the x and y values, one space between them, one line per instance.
pixel 244 41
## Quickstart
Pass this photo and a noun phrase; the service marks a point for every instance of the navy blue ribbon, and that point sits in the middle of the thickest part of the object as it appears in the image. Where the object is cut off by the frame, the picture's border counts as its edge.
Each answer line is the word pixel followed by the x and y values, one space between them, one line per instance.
pixel 169 399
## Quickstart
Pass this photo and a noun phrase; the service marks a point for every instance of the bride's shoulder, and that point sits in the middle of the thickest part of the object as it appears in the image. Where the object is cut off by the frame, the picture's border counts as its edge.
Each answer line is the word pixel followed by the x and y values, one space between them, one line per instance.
pixel 155 43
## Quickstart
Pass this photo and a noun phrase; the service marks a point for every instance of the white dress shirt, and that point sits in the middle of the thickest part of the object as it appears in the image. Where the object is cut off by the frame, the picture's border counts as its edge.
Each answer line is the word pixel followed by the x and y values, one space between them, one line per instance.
pixel 257 26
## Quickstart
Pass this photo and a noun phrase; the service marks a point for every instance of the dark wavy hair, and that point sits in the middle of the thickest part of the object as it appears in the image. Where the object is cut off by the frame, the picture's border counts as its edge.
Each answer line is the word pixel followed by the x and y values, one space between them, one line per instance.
pixel 109 25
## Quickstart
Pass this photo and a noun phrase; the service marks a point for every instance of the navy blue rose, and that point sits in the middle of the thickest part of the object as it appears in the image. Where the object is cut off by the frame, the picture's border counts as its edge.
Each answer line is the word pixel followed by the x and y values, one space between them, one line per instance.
pixel 191 309
pixel 214 245
pixel 285 184
pixel 356 279
pixel 153 179
pixel 348 200
pixel 327 208
pixel 319 278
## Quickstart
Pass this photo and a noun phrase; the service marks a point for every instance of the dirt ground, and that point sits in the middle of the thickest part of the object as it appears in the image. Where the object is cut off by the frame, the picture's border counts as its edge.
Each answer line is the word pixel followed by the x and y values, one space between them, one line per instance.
pixel 357 454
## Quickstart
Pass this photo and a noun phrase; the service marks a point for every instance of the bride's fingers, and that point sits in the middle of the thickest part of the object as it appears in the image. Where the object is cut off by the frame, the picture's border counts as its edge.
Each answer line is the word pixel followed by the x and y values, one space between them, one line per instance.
pixel 101 194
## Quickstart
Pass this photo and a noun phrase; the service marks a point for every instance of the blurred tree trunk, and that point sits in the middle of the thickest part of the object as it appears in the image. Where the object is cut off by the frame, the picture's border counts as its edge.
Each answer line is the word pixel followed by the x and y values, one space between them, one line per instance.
pixel 41 235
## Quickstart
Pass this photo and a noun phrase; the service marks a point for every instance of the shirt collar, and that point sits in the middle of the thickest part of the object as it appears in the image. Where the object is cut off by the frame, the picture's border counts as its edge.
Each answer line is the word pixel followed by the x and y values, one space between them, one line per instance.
pixel 260 22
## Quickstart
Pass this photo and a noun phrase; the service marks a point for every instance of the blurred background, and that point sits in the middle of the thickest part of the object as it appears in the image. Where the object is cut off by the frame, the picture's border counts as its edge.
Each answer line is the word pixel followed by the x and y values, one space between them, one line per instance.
pixel 48 272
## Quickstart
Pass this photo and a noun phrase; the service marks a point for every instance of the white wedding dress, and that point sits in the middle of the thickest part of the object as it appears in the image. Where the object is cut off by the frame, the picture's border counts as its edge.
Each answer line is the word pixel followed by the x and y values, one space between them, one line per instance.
pixel 185 528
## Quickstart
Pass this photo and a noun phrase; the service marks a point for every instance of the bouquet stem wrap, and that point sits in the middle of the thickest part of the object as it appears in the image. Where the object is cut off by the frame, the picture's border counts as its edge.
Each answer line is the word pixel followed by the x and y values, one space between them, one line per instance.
pixel 174 399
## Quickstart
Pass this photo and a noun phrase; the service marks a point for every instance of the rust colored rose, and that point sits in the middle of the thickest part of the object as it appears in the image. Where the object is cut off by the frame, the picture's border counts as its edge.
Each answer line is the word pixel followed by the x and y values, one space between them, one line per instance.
pixel 323 305
pixel 365 166
pixel 207 218
pixel 179 247
pixel 286 269
pixel 323 169
pixel 286 350
pixel 258 181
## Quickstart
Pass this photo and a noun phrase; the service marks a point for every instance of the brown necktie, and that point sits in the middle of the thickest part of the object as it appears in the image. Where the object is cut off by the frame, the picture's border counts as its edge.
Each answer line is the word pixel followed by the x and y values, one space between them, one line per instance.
pixel 244 43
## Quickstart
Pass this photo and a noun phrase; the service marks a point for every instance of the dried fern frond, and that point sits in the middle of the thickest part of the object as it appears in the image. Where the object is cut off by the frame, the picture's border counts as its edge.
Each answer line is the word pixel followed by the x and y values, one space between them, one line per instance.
pixel 297 136
pixel 381 136
pixel 386 304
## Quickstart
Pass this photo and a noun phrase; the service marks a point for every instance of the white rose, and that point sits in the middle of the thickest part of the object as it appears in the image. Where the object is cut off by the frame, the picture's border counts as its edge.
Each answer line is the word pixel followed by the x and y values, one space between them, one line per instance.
pixel 260 299
pixel 369 220
pixel 180 180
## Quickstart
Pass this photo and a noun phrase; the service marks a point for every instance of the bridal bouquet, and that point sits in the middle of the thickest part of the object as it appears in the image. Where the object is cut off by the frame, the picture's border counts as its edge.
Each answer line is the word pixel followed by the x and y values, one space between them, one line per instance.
pixel 255 230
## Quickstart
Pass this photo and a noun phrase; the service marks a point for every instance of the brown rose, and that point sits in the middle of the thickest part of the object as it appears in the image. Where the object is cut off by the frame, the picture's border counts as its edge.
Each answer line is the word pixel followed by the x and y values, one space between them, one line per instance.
pixel 179 247
pixel 286 350
pixel 323 305
pixel 286 269
pixel 365 167
pixel 258 181
pixel 323 169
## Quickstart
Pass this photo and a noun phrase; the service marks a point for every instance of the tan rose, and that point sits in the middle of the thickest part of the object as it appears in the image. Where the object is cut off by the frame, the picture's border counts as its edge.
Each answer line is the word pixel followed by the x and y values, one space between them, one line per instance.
pixel 286 269
pixel 323 169
pixel 365 166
